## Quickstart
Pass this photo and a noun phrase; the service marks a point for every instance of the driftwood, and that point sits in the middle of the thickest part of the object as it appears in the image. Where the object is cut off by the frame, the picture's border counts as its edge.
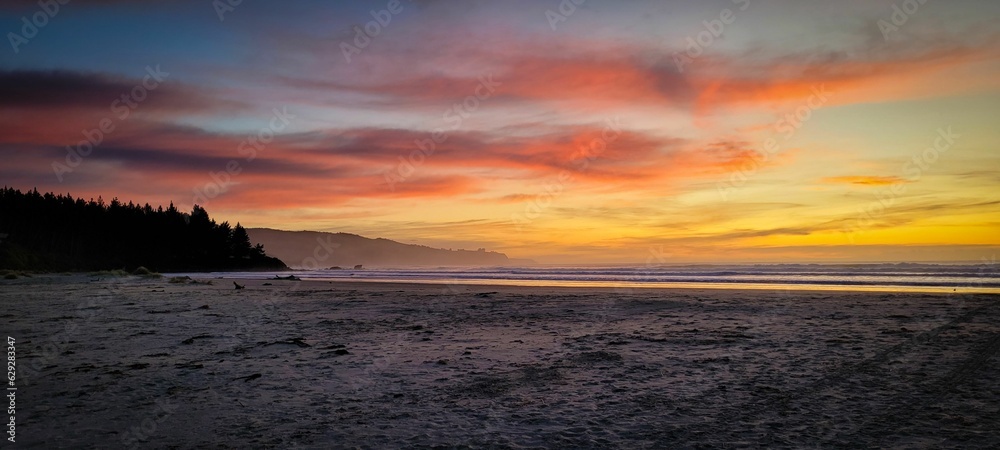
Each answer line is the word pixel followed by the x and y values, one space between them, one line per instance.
pixel 290 278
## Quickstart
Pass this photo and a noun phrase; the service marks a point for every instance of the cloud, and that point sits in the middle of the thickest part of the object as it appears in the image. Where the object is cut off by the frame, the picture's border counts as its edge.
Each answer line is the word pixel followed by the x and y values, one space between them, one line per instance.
pixel 588 80
pixel 631 160
pixel 28 5
pixel 57 89
pixel 324 168
pixel 573 74
pixel 513 198
pixel 865 180
pixel 851 76
pixel 55 107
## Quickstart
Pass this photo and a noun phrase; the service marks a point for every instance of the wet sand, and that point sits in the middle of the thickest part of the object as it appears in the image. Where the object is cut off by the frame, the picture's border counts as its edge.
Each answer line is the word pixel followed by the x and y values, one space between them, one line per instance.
pixel 124 362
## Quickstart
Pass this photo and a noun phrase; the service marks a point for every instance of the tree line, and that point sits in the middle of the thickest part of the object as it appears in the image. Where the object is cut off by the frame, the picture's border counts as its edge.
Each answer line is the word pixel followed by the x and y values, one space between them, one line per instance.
pixel 55 232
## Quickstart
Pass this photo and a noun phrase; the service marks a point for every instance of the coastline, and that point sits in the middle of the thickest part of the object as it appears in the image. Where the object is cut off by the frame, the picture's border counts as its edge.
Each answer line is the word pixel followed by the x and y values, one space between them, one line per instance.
pixel 614 286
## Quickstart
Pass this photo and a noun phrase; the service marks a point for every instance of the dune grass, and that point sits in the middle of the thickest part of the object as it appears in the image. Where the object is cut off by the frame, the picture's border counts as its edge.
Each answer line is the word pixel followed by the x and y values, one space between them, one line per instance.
pixel 142 271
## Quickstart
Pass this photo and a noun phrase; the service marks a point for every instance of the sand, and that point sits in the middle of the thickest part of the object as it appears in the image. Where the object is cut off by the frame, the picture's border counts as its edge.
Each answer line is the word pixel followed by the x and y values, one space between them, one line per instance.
pixel 131 362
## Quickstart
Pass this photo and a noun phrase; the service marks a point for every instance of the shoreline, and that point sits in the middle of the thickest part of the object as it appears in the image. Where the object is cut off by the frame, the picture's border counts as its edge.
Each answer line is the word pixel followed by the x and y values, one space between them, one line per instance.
pixel 619 287
pixel 555 285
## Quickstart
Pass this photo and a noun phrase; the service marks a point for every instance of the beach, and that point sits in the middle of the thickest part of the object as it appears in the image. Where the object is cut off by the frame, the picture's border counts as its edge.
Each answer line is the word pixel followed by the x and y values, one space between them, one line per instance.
pixel 145 362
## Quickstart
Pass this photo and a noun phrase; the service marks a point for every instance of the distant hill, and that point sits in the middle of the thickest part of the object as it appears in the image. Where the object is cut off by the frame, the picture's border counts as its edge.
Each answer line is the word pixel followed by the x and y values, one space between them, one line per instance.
pixel 347 250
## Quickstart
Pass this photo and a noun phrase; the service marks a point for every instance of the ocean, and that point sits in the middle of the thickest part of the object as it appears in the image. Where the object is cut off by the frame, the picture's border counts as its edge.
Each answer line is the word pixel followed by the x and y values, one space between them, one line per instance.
pixel 984 277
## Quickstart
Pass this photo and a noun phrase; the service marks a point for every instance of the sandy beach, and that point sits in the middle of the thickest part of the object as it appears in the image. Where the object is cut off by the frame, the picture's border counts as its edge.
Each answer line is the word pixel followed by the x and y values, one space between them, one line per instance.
pixel 133 362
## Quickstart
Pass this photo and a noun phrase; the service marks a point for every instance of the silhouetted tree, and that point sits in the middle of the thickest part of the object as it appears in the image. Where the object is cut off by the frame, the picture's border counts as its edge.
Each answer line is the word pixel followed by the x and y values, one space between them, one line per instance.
pixel 240 242
pixel 58 232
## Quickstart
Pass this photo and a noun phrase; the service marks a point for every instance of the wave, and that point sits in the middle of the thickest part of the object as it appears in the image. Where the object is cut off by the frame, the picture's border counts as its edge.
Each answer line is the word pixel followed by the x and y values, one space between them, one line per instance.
pixel 926 275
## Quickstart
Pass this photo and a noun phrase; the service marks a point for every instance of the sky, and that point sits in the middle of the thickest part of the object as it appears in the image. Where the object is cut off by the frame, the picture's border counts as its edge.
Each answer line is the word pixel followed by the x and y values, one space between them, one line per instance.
pixel 568 132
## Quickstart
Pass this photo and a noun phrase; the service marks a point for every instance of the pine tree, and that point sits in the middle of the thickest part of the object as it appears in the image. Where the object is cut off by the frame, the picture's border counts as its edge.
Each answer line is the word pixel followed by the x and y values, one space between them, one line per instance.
pixel 240 242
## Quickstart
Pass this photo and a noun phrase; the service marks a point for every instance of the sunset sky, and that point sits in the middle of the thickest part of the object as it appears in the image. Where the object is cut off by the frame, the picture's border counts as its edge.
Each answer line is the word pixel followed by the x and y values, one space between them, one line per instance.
pixel 605 132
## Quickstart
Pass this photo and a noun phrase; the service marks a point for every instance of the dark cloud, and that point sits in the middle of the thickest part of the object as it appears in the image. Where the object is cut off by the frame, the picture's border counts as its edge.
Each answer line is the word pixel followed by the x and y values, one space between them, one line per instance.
pixel 58 88
pixel 70 89
pixel 34 5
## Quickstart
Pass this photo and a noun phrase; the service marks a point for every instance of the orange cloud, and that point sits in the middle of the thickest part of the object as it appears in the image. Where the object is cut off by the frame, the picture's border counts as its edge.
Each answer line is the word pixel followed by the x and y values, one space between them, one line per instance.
pixel 865 180
pixel 880 76
pixel 591 76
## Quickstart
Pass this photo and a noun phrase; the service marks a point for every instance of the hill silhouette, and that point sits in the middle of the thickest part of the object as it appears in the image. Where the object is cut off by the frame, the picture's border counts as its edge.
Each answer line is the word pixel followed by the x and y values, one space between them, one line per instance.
pixel 313 249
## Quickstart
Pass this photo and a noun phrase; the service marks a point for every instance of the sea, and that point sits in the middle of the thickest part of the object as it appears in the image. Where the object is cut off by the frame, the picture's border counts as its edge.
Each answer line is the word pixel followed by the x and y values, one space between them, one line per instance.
pixel 983 277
